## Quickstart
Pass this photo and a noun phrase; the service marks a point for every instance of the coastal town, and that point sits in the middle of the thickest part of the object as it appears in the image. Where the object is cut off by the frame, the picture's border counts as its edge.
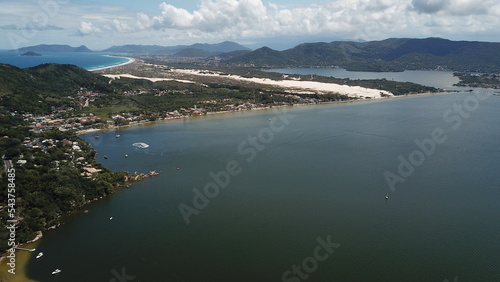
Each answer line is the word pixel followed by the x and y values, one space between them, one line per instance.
pixel 77 113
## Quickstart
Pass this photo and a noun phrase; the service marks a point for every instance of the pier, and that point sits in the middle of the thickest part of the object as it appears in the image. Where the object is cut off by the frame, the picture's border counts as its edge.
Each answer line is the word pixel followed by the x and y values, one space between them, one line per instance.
pixel 24 249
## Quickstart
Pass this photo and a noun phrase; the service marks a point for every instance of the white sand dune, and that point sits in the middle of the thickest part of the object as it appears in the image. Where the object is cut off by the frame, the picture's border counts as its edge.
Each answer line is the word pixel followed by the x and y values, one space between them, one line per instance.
pixel 289 85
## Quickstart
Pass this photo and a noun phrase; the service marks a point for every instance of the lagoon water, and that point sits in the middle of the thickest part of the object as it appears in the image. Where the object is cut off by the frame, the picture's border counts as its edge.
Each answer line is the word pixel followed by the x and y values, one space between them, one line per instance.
pixel 86 60
pixel 438 79
pixel 318 175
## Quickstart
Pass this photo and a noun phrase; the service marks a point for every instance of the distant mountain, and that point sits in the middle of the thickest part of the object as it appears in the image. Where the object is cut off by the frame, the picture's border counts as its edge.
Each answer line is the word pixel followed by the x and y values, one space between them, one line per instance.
pixel 135 49
pixel 222 47
pixel 53 48
pixel 395 54
pixel 230 55
pixel 193 53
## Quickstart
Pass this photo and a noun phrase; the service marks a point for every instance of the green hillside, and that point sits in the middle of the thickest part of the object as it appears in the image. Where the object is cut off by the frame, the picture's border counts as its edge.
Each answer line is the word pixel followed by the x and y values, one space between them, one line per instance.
pixel 39 88
pixel 387 55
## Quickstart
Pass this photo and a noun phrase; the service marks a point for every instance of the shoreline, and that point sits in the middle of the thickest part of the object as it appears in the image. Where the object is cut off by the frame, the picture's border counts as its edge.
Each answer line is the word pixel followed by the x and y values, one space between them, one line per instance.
pixel 21 264
pixel 22 258
pixel 129 61
pixel 120 127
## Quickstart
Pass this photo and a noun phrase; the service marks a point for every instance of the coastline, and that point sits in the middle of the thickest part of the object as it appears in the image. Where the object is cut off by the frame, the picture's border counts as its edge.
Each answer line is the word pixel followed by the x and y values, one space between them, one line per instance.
pixel 24 257
pixel 129 61
pixel 119 127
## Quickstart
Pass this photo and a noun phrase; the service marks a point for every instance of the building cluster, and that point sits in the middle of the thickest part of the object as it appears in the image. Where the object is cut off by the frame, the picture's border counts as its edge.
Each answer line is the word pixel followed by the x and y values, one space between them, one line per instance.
pixel 41 123
pixel 85 97
pixel 72 150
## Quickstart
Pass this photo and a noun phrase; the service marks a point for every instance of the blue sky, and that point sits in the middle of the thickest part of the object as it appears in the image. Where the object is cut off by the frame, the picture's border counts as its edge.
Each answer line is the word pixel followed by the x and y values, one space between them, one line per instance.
pixel 278 24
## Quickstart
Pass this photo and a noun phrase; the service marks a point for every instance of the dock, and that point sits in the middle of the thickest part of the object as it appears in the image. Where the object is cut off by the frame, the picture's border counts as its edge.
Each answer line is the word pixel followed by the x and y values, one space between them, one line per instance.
pixel 24 249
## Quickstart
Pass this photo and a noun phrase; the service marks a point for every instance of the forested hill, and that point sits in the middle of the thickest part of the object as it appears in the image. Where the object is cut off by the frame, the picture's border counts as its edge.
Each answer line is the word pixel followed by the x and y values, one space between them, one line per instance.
pixel 22 89
pixel 386 55
pixel 55 172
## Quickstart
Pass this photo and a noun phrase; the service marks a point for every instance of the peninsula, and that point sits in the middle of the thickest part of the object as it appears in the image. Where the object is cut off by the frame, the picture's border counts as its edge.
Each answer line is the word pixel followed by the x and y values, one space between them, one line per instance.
pixel 44 107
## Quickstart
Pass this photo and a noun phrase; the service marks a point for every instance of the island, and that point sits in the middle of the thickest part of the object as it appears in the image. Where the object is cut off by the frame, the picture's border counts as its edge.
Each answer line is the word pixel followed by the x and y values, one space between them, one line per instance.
pixel 30 54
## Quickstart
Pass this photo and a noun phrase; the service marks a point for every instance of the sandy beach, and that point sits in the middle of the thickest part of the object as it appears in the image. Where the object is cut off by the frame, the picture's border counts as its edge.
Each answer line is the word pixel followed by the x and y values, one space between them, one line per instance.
pixel 130 60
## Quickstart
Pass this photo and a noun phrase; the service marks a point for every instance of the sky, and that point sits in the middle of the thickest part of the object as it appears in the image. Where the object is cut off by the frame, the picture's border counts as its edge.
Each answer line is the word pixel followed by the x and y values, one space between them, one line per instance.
pixel 279 24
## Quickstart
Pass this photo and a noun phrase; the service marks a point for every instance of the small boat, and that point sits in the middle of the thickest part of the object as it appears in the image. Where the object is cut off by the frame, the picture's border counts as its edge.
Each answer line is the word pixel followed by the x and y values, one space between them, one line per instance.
pixel 140 145
pixel 97 137
pixel 117 136
pixel 56 271
pixel 40 254
pixel 111 218
pixel 387 196
pixel 105 157
pixel 126 155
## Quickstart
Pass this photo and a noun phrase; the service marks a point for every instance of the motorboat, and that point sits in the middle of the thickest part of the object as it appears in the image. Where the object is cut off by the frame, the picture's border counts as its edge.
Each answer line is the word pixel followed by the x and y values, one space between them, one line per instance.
pixel 140 145
pixel 56 271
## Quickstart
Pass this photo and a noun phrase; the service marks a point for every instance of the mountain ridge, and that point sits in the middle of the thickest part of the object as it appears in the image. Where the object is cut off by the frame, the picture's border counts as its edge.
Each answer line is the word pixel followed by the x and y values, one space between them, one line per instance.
pixel 223 47
pixel 393 54
pixel 53 48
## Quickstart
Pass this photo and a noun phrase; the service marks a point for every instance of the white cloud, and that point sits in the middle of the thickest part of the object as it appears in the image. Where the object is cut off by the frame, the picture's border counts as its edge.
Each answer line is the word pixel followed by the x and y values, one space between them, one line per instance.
pixel 251 20
pixel 87 28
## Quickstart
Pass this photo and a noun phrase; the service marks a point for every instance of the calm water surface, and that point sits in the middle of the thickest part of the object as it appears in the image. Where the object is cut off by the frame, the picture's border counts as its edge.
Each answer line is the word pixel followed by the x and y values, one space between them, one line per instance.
pixel 439 79
pixel 321 176
pixel 86 60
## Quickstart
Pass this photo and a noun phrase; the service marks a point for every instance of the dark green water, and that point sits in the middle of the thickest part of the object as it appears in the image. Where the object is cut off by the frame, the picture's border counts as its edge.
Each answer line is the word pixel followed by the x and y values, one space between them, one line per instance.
pixel 319 177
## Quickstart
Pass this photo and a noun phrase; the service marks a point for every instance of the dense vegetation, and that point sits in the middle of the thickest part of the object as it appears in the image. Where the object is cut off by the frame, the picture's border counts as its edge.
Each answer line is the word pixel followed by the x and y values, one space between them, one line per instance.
pixel 38 89
pixel 387 55
pixel 50 183
pixel 479 80
pixel 53 179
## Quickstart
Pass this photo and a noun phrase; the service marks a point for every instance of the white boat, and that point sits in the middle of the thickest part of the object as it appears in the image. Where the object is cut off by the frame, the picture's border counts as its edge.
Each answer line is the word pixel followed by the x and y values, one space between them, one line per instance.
pixel 117 135
pixel 56 271
pixel 40 254
pixel 111 218
pixel 387 196
pixel 140 145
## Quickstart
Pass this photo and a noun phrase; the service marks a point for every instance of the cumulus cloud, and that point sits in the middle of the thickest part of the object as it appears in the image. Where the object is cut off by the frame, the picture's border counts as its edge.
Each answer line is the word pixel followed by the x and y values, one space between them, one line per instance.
pixel 367 19
pixel 455 7
pixel 87 28
pixel 429 6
